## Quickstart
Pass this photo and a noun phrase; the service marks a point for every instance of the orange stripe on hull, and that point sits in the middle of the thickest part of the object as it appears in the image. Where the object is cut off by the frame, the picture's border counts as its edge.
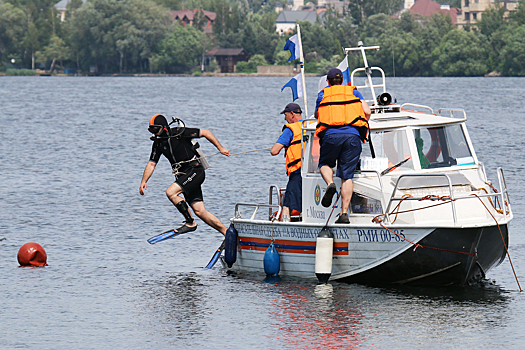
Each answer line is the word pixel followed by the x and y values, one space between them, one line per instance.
pixel 287 246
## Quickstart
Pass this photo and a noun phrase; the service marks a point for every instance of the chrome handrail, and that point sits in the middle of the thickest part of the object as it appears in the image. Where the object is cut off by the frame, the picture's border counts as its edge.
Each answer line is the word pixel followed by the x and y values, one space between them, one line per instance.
pixel 418 106
pixel 451 111
pixel 256 206
pixel 392 198
pixel 503 192
pixel 270 201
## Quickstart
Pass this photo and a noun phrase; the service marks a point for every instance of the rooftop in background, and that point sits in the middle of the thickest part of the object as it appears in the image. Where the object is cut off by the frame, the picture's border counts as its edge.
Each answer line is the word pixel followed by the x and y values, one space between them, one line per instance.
pixel 188 16
pixel 429 7
pixel 286 20
pixel 61 8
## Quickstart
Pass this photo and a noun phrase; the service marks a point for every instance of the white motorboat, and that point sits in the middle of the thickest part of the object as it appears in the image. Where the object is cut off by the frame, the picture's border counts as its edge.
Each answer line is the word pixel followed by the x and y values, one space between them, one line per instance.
pixel 423 211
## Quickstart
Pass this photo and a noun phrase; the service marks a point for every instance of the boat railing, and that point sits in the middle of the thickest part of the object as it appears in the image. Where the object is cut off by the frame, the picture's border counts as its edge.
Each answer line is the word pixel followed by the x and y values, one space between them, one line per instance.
pixel 279 192
pixel 451 113
pixel 270 200
pixel 368 84
pixel 256 209
pixel 504 194
pixel 505 206
pixel 393 198
pixel 404 105
pixel 482 168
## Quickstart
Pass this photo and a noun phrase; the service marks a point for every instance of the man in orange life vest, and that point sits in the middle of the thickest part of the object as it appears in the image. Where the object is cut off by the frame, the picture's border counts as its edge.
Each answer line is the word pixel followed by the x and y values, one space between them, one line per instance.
pixel 291 140
pixel 342 123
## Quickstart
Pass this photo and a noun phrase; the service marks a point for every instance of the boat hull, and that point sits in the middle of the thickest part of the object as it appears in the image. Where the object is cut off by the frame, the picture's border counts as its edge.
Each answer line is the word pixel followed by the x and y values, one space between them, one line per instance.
pixel 373 255
pixel 428 266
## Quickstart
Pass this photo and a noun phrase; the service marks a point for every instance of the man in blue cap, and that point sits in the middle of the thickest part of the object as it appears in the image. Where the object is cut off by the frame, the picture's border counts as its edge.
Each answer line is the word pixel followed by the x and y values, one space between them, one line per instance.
pixel 290 139
pixel 342 123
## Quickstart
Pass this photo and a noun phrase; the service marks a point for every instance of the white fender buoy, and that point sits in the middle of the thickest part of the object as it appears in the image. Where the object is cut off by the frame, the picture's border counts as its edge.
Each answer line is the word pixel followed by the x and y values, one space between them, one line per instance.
pixel 324 251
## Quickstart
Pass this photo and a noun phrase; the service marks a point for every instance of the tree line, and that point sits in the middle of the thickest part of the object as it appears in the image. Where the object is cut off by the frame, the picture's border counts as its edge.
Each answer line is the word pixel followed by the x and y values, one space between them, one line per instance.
pixel 140 36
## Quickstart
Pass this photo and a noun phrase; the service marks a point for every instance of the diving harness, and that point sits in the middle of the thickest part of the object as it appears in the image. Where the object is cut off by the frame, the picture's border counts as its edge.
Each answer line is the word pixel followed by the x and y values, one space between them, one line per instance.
pixel 193 145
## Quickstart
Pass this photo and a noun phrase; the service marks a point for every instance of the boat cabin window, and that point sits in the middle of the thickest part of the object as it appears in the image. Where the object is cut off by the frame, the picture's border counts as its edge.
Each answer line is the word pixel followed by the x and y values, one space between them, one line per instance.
pixel 366 205
pixel 442 146
pixel 390 147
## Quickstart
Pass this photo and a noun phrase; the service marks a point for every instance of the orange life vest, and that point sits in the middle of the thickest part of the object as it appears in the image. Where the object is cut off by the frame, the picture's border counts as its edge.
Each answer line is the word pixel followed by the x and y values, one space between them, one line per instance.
pixel 293 151
pixel 340 107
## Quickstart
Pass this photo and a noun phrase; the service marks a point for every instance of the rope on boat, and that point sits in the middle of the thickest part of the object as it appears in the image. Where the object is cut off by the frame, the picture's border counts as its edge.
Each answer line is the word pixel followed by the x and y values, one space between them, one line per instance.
pixel 378 220
pixel 503 240
pixel 496 201
pixel 447 199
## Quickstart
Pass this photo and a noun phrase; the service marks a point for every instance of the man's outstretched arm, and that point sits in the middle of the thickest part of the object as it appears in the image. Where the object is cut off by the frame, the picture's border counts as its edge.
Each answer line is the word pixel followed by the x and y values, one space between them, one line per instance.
pixel 210 137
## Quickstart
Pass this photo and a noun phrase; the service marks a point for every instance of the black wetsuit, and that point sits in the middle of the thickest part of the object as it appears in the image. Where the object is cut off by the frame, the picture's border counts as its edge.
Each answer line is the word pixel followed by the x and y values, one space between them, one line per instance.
pixel 178 149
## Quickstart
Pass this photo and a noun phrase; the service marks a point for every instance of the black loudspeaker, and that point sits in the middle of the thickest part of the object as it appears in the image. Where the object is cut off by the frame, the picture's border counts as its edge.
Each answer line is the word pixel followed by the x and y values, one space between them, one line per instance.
pixel 384 99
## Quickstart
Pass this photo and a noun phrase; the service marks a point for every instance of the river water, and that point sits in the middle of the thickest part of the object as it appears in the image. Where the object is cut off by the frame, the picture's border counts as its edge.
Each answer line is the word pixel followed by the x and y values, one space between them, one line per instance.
pixel 73 150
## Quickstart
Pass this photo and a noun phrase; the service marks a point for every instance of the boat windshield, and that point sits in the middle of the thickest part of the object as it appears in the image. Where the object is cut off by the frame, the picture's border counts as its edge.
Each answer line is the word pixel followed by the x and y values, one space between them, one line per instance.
pixel 442 146
pixel 390 147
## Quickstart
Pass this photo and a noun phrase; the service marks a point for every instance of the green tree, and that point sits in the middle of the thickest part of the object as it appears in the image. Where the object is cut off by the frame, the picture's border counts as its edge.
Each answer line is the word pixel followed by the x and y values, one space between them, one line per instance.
pixel 179 51
pixel 517 17
pixel 340 26
pixel 12 28
pixel 491 20
pixel 118 35
pixel 316 38
pixel 400 54
pixel 362 9
pixel 41 22
pixel 251 65
pixel 494 26
pixel 31 41
pixel 512 55
pixel 461 54
pixel 55 51
pixel 374 26
pixel 71 7
pixel 433 31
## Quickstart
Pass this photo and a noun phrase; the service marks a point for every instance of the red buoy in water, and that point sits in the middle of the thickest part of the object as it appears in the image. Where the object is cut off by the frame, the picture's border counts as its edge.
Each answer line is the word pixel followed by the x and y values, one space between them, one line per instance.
pixel 32 254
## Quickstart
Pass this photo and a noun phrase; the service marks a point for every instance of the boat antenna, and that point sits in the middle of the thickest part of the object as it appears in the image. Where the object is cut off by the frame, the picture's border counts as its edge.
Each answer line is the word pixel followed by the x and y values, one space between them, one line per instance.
pixel 367 68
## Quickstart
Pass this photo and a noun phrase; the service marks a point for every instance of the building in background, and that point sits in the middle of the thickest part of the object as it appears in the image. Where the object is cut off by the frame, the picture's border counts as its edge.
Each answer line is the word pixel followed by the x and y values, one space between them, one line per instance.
pixel 472 9
pixel 188 17
pixel 226 58
pixel 61 7
pixel 287 19
pixel 428 8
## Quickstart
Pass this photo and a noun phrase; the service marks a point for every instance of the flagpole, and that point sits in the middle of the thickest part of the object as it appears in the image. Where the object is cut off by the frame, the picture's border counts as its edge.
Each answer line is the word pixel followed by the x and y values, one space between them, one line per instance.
pixel 301 59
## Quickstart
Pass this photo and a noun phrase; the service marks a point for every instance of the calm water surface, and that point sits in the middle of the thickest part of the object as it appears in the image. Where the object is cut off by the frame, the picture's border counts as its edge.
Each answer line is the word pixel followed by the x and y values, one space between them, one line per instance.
pixel 73 151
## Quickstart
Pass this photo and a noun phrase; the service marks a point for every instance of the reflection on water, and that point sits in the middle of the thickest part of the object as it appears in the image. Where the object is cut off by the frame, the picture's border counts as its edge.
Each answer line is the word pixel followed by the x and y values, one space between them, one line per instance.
pixel 317 318
pixel 485 291
pixel 187 309
pixel 179 301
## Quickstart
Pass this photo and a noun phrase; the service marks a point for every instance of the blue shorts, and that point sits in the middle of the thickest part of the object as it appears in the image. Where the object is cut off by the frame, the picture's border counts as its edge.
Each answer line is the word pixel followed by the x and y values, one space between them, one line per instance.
pixel 293 197
pixel 345 148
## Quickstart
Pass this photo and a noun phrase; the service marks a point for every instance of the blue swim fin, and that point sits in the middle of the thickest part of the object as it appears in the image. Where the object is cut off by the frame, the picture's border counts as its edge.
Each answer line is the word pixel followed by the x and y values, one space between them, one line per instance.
pixel 163 236
pixel 216 256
